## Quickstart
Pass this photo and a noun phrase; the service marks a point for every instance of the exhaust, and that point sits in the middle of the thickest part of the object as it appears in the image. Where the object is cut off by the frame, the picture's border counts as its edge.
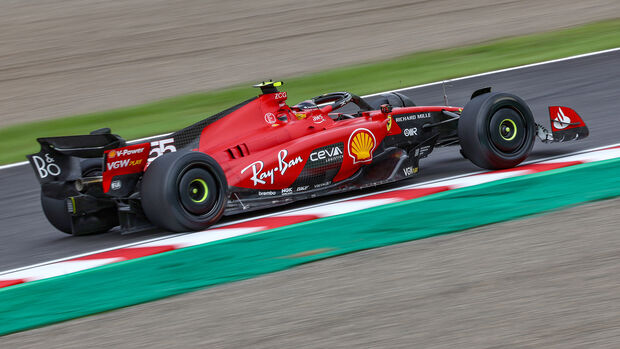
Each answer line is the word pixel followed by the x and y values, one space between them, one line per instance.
pixel 81 184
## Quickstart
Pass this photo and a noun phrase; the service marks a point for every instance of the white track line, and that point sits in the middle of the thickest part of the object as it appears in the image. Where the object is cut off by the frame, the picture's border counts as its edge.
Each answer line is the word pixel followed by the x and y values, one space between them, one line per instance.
pixel 4 167
pixel 584 55
pixel 316 208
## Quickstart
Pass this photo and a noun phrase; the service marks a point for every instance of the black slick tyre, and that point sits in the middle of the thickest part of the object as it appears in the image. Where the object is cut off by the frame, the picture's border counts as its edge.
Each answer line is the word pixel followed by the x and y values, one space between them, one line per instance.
pixel 184 191
pixel 496 130
pixel 55 211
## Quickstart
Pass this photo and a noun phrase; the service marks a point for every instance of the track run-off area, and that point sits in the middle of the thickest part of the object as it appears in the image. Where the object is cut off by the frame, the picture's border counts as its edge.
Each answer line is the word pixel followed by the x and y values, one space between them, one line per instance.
pixel 32 250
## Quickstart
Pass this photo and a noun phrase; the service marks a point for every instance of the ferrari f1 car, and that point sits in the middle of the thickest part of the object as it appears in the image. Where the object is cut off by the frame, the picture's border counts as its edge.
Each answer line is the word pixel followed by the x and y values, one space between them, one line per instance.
pixel 263 152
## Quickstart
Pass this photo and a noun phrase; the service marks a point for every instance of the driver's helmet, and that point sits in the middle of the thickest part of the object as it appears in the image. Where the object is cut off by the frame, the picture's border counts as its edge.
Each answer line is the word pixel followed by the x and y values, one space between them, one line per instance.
pixel 307 104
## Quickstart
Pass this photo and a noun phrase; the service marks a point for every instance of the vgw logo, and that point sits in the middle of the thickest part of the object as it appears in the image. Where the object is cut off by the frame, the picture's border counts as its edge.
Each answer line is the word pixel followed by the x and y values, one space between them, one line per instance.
pixel 122 164
pixel 46 167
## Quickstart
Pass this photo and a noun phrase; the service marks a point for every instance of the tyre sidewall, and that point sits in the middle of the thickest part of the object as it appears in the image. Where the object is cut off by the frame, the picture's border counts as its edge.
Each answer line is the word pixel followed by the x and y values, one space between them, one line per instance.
pixel 55 211
pixel 161 195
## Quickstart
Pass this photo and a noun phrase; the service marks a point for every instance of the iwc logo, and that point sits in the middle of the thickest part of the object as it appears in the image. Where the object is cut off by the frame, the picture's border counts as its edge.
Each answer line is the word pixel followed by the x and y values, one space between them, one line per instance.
pixel 361 145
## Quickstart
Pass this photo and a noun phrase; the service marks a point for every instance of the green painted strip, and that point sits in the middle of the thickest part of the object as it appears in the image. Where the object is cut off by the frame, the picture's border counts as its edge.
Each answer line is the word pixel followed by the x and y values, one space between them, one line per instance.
pixel 136 281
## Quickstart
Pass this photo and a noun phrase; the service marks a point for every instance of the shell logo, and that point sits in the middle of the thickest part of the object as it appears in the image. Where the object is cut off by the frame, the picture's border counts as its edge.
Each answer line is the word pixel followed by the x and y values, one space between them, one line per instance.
pixel 361 145
pixel 111 154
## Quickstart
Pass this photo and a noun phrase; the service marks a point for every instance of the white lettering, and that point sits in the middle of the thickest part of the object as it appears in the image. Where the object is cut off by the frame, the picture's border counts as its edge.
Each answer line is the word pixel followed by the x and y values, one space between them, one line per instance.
pixel 287 191
pixel 413 117
pixel 46 167
pixel 410 170
pixel 322 184
pixel 260 177
pixel 317 119
pixel 116 185
pixel 326 153
pixel 410 132
pixel 159 148
pixel 40 165
pixel 124 152
pixel 266 193
pixel 118 164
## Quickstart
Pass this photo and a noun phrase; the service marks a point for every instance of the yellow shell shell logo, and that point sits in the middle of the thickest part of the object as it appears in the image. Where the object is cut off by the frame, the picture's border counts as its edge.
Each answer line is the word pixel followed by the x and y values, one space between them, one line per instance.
pixel 361 145
pixel 111 154
pixel 389 123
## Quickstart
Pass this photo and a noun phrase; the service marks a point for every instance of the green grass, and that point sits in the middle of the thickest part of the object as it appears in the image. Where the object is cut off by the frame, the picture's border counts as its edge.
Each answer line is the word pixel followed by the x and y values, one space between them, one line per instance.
pixel 174 113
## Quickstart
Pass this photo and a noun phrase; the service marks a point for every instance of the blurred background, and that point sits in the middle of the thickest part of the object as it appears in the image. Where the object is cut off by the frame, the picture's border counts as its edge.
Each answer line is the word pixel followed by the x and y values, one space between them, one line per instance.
pixel 67 57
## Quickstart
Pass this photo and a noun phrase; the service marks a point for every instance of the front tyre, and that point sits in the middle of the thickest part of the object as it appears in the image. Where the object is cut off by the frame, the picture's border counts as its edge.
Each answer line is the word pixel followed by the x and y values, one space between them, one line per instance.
pixel 496 130
pixel 184 191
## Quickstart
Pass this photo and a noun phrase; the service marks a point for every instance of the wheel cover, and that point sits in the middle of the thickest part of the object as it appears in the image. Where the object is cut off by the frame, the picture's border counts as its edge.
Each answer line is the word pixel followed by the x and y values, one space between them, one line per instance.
pixel 507 131
pixel 197 191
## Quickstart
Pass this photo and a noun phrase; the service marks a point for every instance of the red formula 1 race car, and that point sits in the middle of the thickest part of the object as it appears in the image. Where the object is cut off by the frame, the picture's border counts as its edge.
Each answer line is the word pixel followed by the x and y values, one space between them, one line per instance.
pixel 263 152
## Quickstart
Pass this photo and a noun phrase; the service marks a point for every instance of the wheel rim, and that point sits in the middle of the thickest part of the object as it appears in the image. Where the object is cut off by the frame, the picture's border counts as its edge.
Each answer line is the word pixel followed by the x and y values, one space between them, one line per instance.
pixel 197 191
pixel 507 131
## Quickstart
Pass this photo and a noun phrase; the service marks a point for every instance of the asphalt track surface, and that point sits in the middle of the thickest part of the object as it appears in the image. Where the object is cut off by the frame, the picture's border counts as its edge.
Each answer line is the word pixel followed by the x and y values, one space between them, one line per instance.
pixel 591 85
pixel 548 281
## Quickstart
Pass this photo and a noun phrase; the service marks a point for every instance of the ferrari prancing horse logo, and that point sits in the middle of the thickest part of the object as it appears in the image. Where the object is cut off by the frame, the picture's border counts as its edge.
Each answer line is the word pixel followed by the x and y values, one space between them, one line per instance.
pixel 361 145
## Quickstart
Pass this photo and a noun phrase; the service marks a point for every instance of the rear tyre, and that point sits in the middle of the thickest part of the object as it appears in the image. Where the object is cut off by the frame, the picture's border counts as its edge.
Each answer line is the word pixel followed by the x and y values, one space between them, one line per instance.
pixel 496 130
pixel 184 191
pixel 55 211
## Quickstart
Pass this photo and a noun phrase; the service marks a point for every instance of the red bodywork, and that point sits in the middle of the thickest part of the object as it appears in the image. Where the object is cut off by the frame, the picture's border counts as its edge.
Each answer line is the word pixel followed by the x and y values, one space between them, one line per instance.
pixel 264 145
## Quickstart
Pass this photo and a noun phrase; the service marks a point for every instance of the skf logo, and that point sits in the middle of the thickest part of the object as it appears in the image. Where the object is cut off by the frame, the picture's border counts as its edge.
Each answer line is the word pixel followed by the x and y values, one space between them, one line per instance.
pixel 361 145
pixel 389 123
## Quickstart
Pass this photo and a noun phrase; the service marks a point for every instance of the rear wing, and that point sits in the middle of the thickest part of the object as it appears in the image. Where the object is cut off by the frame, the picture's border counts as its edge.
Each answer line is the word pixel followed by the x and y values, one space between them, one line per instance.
pixel 59 157
pixel 566 125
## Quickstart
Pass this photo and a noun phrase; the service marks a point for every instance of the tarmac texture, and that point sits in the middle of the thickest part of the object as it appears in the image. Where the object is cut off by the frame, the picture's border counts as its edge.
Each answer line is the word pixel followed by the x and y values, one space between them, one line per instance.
pixel 549 281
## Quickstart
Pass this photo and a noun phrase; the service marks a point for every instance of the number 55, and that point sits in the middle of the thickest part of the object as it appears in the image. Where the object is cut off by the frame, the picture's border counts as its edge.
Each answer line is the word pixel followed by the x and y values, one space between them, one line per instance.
pixel 159 148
